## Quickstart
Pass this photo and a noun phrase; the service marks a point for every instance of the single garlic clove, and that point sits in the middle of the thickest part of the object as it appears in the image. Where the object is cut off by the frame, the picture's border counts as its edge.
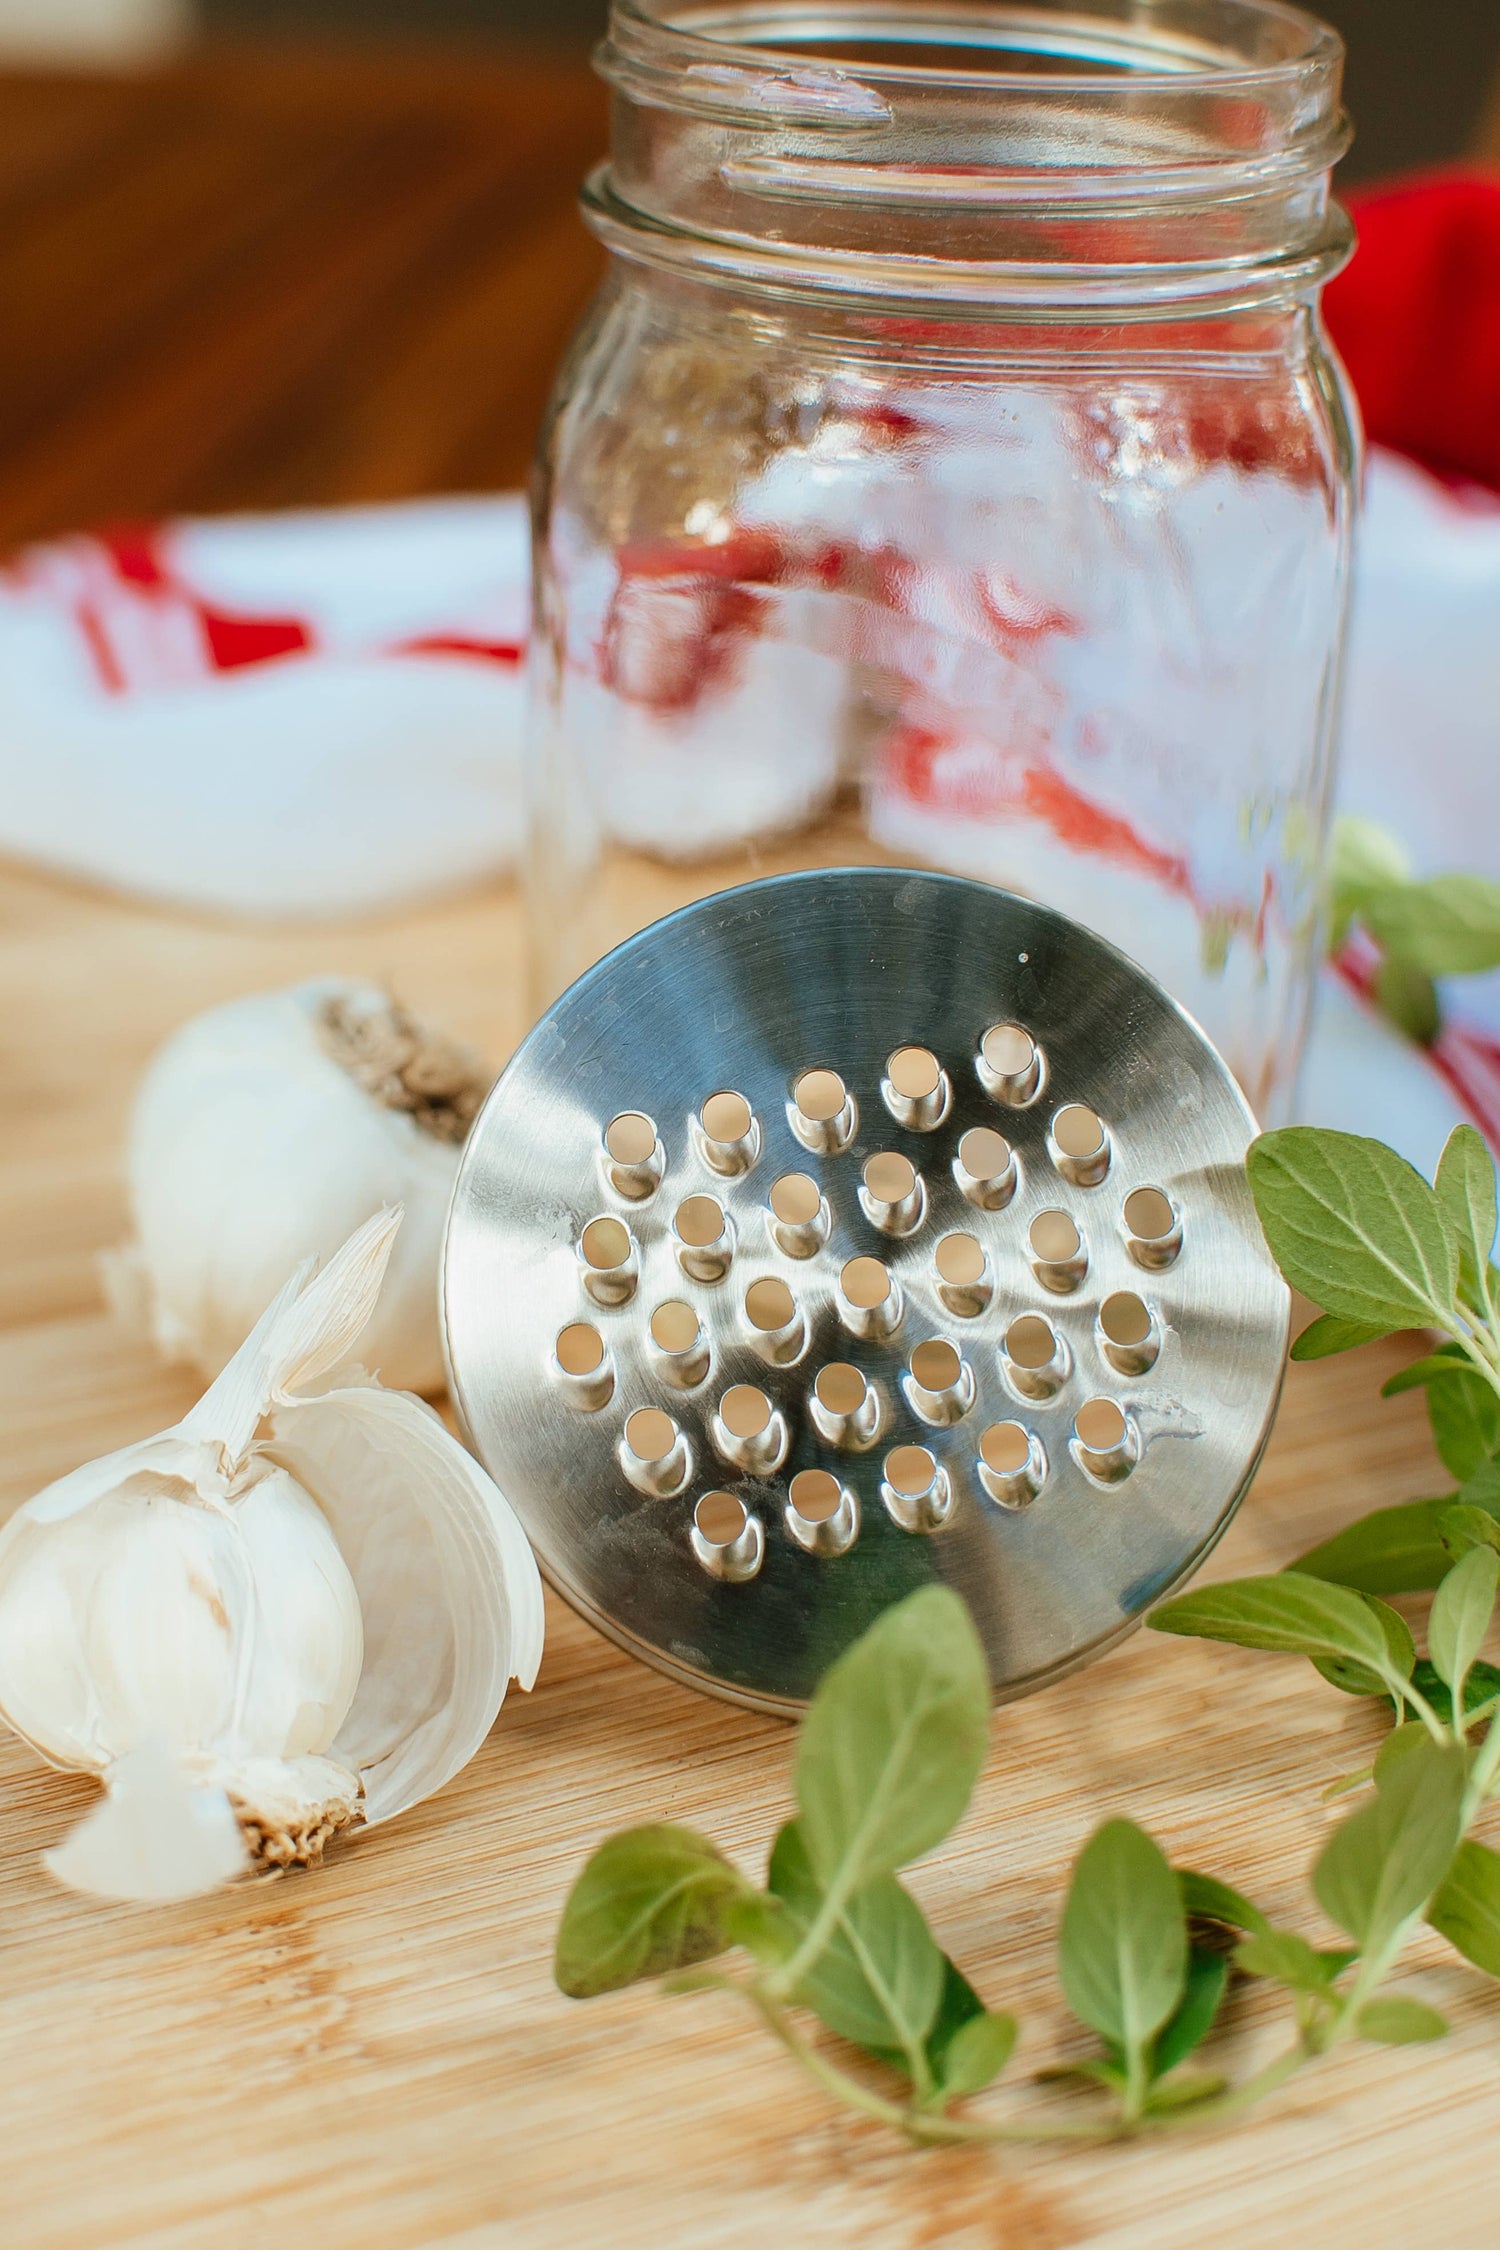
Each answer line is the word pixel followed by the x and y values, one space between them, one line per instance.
pixel 156 1836
pixel 272 1127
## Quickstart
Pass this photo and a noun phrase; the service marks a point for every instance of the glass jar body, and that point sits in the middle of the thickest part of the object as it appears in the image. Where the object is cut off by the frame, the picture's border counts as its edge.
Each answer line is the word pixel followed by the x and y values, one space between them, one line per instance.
pixel 1053 604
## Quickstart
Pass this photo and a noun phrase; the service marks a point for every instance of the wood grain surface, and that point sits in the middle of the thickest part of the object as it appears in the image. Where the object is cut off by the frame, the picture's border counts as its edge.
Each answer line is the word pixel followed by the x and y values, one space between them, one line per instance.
pixel 249 283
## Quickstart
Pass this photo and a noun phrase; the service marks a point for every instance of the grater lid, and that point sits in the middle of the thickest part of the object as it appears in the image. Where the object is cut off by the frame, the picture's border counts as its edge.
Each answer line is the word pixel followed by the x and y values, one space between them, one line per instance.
pixel 854 1230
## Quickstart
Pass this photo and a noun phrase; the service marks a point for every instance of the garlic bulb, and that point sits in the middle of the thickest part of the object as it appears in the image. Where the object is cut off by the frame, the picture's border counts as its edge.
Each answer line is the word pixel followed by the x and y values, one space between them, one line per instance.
pixel 298 1609
pixel 268 1129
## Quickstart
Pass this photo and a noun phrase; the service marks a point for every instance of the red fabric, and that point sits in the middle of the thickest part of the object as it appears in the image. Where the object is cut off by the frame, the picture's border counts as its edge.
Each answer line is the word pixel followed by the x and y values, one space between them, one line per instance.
pixel 1416 318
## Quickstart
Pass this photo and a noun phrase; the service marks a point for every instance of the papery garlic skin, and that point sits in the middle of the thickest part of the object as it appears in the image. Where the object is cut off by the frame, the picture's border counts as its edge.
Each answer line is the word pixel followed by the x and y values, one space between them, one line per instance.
pixel 255 1141
pixel 303 1605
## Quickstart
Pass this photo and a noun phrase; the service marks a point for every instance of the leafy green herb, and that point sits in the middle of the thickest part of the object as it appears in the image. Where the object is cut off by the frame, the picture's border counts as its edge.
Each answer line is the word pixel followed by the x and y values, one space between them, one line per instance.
pixel 892 1744
pixel 1399 2022
pixel 1354 1227
pixel 1322 1337
pixel 649 1900
pixel 1397 1550
pixel 1123 1950
pixel 1446 926
pixel 1466 1910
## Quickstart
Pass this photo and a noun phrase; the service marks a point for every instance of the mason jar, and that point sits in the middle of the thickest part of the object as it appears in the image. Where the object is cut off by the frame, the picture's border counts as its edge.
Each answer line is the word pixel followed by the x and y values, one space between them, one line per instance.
pixel 953 471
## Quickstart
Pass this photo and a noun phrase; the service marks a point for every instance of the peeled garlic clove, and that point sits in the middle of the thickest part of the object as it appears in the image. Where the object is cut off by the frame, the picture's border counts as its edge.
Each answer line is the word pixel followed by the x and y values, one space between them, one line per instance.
pixel 270 1128
pixel 155 1836
pixel 298 1609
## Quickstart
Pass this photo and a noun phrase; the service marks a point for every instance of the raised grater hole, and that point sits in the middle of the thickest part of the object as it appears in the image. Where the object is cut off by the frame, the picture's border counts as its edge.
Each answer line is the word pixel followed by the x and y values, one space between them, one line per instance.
pixel 674 1326
pixel 796 1199
pixel 654 1454
pixel 939 1386
pixel 726 1134
pixel 1079 1144
pixel 1012 1465
pixel 916 1489
pixel 1104 1443
pixel 1031 1341
pixel 1035 1357
pixel 705 1237
pixel 1005 1447
pixel 769 1305
pixel 936 1366
pixel 915 1089
pixel 910 1469
pixel 611 1266
pixel 1058 1258
pixel 959 1258
pixel 985 1168
pixel 840 1388
pixel 1010 1065
pixel 631 1137
pixel 822 1112
pixel 650 1434
pixel 867 1283
pixel 815 1495
pixel 580 1349
pixel 721 1517
pixel 726 1539
pixel 699 1221
pixel 1124 1318
pixel 745 1411
pixel 632 1156
pixel 891 1194
pixel 726 1117
pixel 820 1095
pixel 606 1245
pixel 1128 1334
pixel 1153 1228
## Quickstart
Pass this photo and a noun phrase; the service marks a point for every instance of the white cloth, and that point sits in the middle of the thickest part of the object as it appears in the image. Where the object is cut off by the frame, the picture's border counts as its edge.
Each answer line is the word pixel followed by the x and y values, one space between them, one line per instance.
pixel 320 714
pixel 307 714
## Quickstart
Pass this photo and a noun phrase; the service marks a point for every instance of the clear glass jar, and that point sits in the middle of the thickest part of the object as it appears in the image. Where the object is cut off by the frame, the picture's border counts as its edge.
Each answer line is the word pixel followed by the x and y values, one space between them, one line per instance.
pixel 953 471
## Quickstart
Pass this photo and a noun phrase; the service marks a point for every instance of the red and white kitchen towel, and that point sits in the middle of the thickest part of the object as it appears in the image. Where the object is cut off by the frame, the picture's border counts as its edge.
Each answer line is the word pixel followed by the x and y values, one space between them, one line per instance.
pixel 320 714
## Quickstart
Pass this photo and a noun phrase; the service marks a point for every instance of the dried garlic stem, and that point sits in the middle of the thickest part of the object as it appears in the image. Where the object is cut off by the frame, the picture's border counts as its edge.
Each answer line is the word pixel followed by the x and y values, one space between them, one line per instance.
pixel 280 1846
pixel 403 1065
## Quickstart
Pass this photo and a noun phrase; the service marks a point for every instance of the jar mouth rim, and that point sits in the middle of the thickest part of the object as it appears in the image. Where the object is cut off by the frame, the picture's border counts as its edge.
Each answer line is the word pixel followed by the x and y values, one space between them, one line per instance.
pixel 1128 52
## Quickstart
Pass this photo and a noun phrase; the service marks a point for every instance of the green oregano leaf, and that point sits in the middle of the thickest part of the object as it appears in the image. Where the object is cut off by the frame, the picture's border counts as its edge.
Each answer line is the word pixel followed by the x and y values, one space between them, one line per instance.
pixel 1192 2019
pixel 1448 926
pixel 1481 1686
pixel 1410 998
pixel 1465 1187
pixel 1466 1910
pixel 1399 2022
pixel 647 1901
pixel 1461 1611
pixel 1388 1858
pixel 1461 1529
pixel 1287 1958
pixel 1298 1616
pixel 1322 1337
pixel 1464 1414
pixel 1365 861
pixel 1206 1899
pixel 893 1741
pixel 1396 1550
pixel 879 1980
pixel 1183 2092
pixel 977 2053
pixel 1122 1951
pixel 1354 1227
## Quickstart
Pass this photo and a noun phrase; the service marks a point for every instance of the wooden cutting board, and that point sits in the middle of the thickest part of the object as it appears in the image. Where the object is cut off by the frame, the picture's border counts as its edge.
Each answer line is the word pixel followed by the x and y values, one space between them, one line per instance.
pixel 251 281
pixel 374 2055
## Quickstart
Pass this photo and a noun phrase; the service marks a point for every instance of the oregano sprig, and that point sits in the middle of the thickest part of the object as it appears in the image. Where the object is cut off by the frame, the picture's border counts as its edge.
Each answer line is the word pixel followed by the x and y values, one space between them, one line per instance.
pixel 892 1745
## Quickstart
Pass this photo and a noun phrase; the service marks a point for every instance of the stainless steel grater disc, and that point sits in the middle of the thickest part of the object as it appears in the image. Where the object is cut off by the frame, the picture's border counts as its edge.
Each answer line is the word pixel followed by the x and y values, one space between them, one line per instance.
pixel 848 1231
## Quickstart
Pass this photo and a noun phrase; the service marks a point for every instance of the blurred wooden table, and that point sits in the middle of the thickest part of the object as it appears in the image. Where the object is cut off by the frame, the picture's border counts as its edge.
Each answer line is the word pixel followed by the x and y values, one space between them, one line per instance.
pixel 249 283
